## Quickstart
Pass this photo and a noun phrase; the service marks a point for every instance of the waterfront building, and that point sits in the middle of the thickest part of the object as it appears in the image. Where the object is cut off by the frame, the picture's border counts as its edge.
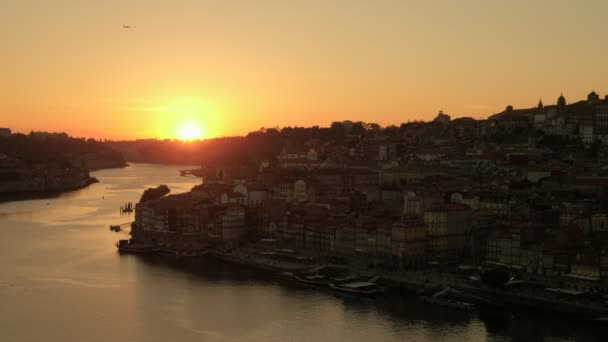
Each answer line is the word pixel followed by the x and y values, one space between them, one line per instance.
pixel 408 241
pixel 448 231
pixel 297 220
pixel 231 221
pixel 504 247
pixel 170 214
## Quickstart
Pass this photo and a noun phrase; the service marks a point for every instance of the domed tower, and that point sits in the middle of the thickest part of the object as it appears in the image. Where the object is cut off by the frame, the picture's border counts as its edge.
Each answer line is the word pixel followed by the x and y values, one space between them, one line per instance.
pixel 442 118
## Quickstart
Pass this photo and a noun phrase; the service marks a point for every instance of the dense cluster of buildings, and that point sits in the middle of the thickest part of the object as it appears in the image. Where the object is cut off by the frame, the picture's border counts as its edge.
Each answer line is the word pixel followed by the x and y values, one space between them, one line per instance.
pixel 525 189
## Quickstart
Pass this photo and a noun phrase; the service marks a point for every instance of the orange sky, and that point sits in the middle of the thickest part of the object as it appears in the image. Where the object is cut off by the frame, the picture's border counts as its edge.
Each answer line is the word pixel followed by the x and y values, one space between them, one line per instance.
pixel 229 67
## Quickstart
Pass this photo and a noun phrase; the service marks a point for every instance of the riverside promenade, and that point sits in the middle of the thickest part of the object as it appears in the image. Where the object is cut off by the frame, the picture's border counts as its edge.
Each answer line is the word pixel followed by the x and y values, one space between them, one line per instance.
pixel 429 281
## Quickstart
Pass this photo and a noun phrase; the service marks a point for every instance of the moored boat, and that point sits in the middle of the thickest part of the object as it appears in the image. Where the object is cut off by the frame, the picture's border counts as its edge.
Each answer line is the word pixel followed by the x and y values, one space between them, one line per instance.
pixel 313 280
pixel 346 279
pixel 359 288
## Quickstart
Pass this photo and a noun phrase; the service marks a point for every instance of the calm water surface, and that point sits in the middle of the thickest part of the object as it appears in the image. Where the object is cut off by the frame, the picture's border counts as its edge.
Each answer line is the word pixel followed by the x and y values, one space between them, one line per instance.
pixel 61 279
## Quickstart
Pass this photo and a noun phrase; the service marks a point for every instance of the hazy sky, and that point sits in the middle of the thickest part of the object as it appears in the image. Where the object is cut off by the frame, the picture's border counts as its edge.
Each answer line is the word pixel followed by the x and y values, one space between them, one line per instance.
pixel 230 67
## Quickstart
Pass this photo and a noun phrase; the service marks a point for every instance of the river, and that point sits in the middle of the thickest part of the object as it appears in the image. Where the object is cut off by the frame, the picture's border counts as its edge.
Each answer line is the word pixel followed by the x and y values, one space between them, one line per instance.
pixel 61 279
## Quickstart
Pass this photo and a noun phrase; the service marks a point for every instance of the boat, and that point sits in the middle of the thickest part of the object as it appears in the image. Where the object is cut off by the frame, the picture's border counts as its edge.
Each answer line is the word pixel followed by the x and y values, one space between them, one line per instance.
pixel 115 228
pixel 346 279
pixel 440 298
pixel 313 279
pixel 359 288
pixel 129 246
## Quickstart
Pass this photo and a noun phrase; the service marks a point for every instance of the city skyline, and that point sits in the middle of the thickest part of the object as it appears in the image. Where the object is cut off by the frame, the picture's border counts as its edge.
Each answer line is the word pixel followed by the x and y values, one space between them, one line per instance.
pixel 127 70
pixel 190 133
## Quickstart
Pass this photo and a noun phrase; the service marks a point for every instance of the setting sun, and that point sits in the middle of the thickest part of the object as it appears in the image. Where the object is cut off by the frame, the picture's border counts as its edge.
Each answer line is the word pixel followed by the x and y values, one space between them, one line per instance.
pixel 185 118
pixel 188 131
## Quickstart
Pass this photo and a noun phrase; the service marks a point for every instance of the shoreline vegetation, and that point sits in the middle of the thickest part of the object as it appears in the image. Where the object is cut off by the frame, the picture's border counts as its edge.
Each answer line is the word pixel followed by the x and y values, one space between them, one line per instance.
pixel 44 165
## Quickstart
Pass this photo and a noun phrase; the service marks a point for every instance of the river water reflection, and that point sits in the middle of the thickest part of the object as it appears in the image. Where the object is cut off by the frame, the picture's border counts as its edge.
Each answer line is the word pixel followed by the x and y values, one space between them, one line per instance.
pixel 61 279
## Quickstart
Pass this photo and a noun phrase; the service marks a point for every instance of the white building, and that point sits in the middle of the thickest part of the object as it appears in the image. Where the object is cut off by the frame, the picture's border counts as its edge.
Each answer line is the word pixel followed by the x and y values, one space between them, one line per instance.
pixel 299 191
pixel 298 158
pixel 232 221
pixel 601 118
pixel 539 119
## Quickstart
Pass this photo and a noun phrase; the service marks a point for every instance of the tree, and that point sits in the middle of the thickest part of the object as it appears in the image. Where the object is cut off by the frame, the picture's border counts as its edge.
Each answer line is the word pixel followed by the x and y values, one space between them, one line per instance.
pixel 358 128
pixel 337 130
pixel 154 193
pixel 372 126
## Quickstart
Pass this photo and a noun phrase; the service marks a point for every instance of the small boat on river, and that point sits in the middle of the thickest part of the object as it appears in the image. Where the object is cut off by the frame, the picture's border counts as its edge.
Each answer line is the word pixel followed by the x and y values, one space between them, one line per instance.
pixel 115 228
pixel 441 298
pixel 359 288
pixel 318 280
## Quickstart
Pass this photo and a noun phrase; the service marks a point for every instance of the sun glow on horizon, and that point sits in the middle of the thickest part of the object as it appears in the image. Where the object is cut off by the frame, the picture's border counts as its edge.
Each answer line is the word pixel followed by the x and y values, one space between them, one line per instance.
pixel 185 118
pixel 188 131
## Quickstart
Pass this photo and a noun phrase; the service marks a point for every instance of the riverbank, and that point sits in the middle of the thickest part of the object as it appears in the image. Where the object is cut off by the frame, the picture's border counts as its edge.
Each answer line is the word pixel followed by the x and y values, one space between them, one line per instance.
pixel 30 189
pixel 280 261
pixel 41 194
pixel 536 299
